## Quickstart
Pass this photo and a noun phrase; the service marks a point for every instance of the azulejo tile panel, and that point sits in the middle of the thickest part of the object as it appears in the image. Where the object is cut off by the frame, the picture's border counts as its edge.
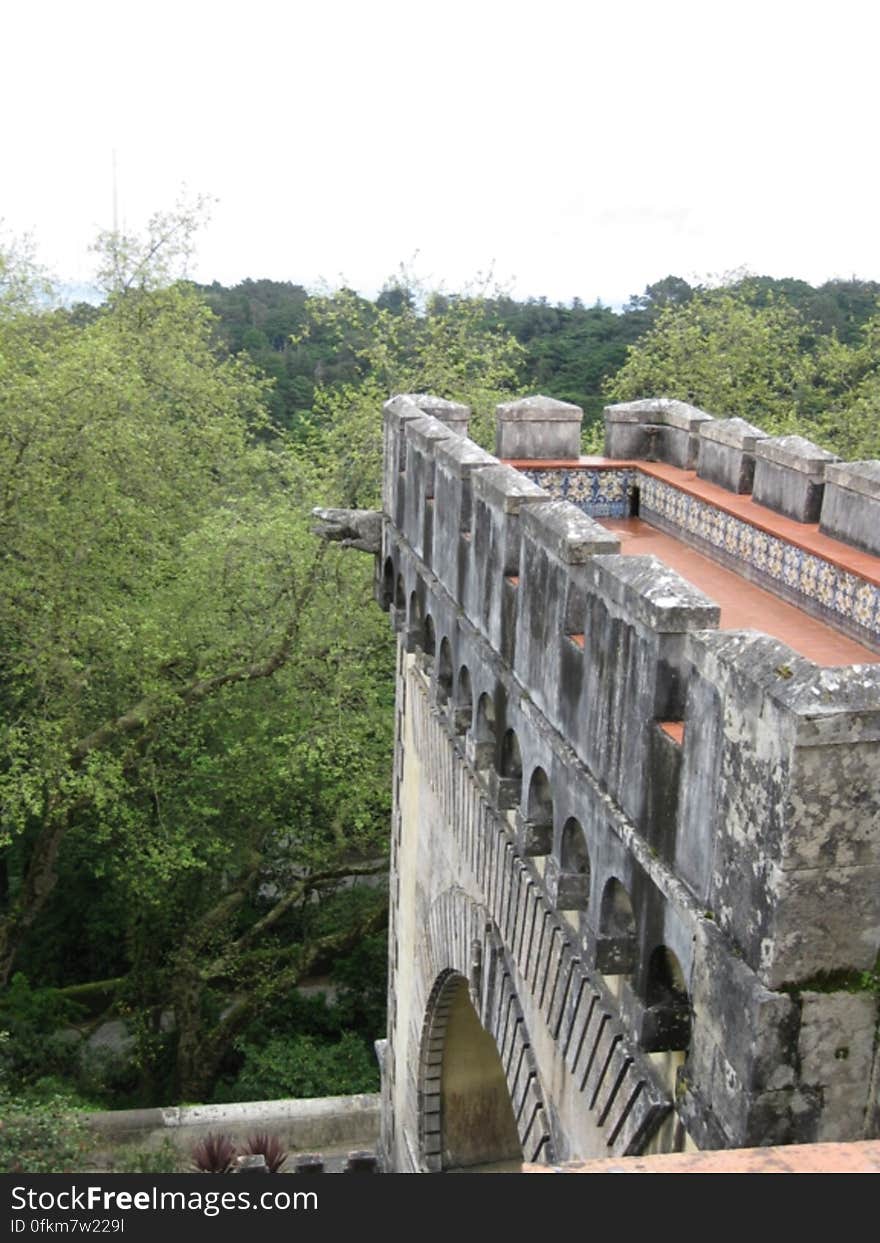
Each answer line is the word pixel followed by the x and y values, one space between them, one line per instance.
pixel 608 494
pixel 598 493
pixel 850 597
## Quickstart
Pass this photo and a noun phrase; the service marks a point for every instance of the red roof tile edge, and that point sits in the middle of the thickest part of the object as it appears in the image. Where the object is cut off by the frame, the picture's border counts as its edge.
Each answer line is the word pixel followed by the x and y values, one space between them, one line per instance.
pixel 805 536
pixel 859 1157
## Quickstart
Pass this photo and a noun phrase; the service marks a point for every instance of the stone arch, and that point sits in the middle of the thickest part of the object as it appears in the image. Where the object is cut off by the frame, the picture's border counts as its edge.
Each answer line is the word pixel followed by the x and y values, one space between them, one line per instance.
pixel 464 701
pixel 616 946
pixel 462 944
pixel 667 1023
pixel 573 883
pixel 536 832
pixel 444 672
pixel 429 639
pixel 415 616
pixel 484 732
pixel 468 1117
pixel 387 584
pixel 510 772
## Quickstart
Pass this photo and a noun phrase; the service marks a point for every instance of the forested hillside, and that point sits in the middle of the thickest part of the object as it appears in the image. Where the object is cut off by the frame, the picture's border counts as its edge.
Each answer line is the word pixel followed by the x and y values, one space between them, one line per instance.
pixel 570 352
pixel 196 721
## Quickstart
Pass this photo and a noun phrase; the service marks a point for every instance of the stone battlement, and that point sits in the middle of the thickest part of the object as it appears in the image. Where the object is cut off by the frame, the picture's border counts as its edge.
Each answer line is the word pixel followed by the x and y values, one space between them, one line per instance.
pixel 657 837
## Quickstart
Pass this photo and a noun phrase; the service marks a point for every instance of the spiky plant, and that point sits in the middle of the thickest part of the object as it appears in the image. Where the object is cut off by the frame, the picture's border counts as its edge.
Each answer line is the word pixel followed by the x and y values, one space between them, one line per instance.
pixel 271 1148
pixel 215 1154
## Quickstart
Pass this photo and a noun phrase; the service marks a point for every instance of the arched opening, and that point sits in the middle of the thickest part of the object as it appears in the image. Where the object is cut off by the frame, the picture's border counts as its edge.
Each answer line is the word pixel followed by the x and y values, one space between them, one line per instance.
pixel 511 759
pixel 616 944
pixel 573 884
pixel 400 596
pixel 388 584
pixel 667 1024
pixel 537 829
pixel 484 733
pixel 467 1116
pixel 429 645
pixel 416 617
pixel 509 783
pixel 464 702
pixel 444 673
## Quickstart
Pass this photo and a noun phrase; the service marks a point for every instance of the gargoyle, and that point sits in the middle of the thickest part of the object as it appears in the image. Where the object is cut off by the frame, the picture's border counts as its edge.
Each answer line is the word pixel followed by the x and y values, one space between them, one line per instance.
pixel 353 528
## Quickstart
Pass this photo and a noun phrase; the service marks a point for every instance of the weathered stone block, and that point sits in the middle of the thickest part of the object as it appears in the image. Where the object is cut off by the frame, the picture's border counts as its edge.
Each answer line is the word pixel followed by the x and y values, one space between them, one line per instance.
pixel 734 1011
pixel 656 429
pixel 616 955
pixel 727 453
pixel 567 533
pixel 651 594
pixel 664 1028
pixel 533 838
pixel 452 413
pixel 836 1042
pixel 851 505
pixel 790 476
pixel 538 428
pixel 821 921
pixel 834 804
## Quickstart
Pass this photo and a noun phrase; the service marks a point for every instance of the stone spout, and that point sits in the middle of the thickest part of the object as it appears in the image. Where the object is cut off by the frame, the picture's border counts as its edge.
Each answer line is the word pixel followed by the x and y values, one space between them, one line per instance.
pixel 353 528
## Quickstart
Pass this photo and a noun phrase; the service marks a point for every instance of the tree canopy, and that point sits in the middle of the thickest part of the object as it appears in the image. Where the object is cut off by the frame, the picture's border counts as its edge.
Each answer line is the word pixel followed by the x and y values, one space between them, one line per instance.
pixel 195 694
pixel 195 735
pixel 746 350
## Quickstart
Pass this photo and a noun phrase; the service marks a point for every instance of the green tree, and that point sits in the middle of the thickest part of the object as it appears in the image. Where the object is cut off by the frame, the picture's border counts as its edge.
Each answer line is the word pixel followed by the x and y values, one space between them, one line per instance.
pixel 451 348
pixel 744 350
pixel 157 560
pixel 727 356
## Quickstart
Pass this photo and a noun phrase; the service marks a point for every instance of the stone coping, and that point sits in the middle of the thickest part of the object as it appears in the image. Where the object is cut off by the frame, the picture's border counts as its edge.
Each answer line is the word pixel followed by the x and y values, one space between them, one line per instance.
pixel 665 411
pixel 861 477
pixel 803 535
pixel 439 407
pixel 423 432
pixel 570 535
pixel 507 488
pixel 795 453
pixel 538 409
pixel 736 433
pixel 460 456
pixel 315 1120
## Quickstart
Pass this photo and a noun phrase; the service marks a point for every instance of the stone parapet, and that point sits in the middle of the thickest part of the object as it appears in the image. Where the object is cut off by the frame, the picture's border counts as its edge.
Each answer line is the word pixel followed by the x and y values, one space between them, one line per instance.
pixel 656 429
pixel 851 505
pixel 727 453
pixel 648 848
pixel 790 476
pixel 538 427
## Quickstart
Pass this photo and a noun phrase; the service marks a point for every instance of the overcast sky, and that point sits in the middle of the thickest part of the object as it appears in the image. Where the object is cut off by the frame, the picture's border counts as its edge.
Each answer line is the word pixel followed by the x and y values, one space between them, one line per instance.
pixel 576 149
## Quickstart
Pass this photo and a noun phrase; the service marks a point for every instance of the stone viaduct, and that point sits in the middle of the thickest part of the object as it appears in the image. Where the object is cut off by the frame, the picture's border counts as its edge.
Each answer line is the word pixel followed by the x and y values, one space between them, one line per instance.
pixel 636 829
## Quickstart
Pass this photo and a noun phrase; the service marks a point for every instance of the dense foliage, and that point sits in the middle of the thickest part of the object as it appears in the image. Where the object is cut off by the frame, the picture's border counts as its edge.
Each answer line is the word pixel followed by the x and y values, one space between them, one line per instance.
pixel 195 732
pixel 748 350
pixel 317 349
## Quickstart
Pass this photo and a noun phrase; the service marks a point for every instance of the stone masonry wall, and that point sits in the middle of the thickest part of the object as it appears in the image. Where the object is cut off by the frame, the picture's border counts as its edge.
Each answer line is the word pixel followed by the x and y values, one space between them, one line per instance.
pixel 652 848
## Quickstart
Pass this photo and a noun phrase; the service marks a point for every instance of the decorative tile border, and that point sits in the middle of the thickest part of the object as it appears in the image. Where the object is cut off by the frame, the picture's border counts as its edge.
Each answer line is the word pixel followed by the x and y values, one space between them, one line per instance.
pixel 812 578
pixel 819 586
pixel 598 493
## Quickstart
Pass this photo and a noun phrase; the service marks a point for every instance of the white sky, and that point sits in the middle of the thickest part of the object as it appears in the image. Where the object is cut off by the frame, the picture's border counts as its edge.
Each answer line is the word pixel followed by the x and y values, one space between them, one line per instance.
pixel 578 149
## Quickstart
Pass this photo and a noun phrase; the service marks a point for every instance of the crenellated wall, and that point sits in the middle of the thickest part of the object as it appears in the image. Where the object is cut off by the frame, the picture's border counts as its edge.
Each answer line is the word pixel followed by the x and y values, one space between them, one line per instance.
pixel 646 847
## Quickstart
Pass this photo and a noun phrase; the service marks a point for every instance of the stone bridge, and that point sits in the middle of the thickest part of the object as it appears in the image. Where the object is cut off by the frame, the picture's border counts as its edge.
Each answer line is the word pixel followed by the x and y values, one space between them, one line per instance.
pixel 636 842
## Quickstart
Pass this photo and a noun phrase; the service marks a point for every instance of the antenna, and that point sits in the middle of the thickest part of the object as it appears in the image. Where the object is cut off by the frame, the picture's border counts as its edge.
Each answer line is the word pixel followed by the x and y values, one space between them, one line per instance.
pixel 115 197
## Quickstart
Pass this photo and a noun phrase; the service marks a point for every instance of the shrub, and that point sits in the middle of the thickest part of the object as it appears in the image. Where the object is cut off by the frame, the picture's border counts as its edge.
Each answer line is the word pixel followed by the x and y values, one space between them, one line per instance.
pixel 215 1154
pixel 270 1146
pixel 40 1136
pixel 35 1044
pixel 302 1067
pixel 162 1160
